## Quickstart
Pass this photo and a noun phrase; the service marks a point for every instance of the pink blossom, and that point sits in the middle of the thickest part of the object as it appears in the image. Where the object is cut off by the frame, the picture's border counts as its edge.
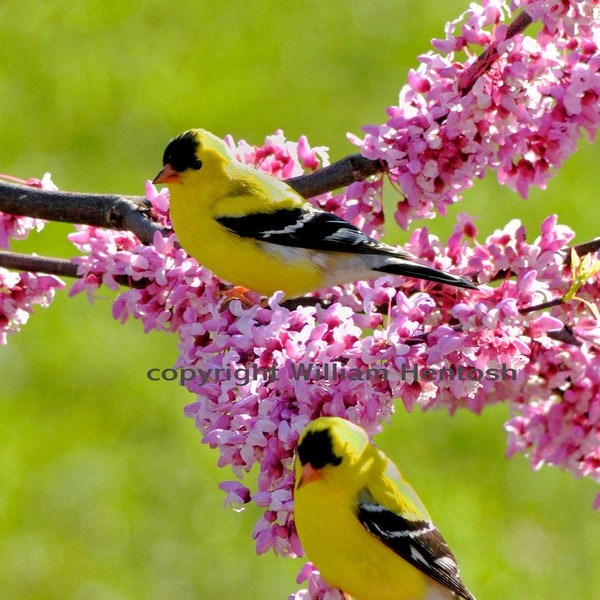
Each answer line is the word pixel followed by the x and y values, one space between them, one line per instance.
pixel 318 589
pixel 367 344
pixel 397 330
pixel 521 115
pixel 19 228
pixel 237 494
pixel 255 421
pixel 19 292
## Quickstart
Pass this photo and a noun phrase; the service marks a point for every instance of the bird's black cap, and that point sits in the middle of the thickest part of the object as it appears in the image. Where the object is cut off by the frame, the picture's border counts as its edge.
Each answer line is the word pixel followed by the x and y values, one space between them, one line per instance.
pixel 181 152
pixel 316 448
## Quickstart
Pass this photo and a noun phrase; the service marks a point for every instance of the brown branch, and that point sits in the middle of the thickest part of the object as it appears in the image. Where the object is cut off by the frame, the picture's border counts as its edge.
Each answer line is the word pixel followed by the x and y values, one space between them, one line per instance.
pixel 61 267
pixel 339 174
pixel 132 213
pixel 129 213
pixel 564 335
pixel 38 264
pixel 64 268
pixel 583 249
pixel 542 306
pixel 490 55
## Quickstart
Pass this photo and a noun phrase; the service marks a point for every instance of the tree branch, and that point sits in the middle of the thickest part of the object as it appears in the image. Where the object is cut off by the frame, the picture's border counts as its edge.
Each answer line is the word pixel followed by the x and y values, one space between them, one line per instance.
pixel 129 213
pixel 542 306
pixel 61 267
pixel 132 213
pixel 490 55
pixel 339 174
pixel 583 249
pixel 564 335
pixel 17 261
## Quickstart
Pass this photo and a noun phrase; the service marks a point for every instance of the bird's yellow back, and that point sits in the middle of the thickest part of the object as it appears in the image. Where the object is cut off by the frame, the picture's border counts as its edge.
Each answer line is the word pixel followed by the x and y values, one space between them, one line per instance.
pixel 362 524
pixel 347 556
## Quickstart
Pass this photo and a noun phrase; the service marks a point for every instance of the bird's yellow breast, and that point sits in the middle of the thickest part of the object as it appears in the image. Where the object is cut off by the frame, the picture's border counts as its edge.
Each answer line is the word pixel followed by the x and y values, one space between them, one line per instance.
pixel 349 557
pixel 252 264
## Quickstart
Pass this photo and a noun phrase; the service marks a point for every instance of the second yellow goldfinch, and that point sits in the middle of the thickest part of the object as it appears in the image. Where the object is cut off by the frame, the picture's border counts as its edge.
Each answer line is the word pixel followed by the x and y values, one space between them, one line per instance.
pixel 362 525
pixel 254 230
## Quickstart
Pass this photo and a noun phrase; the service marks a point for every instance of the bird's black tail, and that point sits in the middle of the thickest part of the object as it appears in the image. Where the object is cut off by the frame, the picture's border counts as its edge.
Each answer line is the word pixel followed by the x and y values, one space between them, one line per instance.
pixel 411 269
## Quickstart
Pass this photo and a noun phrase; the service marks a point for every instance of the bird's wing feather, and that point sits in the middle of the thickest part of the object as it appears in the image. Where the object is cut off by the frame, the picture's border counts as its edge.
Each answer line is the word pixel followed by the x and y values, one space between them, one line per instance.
pixel 395 515
pixel 302 228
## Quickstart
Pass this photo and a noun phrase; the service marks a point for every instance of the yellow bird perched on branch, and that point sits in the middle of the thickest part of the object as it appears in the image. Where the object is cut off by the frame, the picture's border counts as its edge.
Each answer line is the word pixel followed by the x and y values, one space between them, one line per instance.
pixel 362 525
pixel 255 231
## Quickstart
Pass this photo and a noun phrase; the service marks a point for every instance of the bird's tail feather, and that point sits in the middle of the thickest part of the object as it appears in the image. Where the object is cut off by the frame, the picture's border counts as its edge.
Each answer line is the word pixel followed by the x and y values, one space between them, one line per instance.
pixel 411 269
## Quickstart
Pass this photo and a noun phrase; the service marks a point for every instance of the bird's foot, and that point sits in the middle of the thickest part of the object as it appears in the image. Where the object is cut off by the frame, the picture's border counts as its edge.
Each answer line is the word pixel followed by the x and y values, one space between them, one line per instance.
pixel 238 292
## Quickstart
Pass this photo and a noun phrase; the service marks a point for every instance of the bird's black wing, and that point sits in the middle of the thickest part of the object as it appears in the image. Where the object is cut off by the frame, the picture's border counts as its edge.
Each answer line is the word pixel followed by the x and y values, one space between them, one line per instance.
pixel 319 230
pixel 416 540
pixel 314 230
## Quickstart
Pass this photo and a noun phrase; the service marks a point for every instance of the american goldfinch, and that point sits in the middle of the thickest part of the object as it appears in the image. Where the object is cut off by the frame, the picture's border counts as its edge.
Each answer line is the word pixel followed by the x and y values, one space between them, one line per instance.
pixel 362 525
pixel 255 231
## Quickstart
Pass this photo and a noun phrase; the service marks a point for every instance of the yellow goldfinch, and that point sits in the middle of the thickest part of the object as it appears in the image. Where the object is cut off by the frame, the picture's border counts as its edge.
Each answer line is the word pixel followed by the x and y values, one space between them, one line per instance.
pixel 362 525
pixel 255 231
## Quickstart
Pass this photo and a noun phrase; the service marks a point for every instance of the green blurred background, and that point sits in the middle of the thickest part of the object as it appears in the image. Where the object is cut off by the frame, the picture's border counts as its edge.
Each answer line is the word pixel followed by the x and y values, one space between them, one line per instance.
pixel 106 492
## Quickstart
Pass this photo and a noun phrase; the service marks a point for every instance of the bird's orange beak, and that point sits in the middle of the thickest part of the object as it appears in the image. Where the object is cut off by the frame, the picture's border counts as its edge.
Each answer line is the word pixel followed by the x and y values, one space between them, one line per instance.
pixel 167 175
pixel 308 474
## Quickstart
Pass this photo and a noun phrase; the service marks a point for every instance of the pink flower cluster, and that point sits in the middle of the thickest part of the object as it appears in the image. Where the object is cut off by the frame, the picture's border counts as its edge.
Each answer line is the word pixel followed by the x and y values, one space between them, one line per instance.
pixel 19 228
pixel 433 347
pixel 361 201
pixel 317 587
pixel 518 112
pixel 20 292
pixel 367 344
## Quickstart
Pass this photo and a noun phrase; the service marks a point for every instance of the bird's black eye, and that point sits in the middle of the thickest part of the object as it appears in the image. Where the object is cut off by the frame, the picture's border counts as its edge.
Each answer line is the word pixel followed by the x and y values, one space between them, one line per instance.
pixel 317 449
pixel 181 152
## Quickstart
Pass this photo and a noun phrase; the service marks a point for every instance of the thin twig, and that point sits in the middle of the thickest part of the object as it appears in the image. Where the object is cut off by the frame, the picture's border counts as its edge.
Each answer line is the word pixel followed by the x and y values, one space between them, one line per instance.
pixel 583 249
pixel 542 306
pixel 61 267
pixel 38 264
pixel 64 268
pixel 490 55
pixel 564 335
